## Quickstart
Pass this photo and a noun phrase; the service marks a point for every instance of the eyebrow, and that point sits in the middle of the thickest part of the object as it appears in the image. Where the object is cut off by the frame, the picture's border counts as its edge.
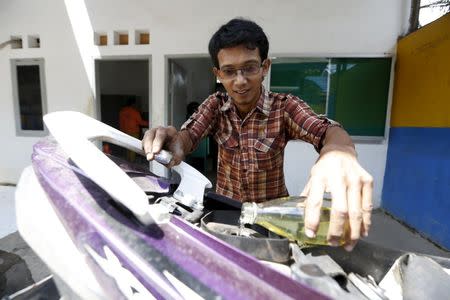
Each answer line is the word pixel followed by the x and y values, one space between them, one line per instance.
pixel 243 64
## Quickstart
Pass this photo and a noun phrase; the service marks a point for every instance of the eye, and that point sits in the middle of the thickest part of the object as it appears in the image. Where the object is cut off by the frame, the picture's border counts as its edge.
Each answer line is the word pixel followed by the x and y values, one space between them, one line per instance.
pixel 251 69
pixel 228 72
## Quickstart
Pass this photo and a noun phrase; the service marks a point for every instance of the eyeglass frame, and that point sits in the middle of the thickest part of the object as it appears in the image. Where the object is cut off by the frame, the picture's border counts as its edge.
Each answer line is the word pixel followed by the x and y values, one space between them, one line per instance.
pixel 243 73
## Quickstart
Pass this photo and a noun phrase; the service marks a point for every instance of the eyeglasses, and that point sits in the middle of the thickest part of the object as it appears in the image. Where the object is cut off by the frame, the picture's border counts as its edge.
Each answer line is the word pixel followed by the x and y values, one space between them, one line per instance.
pixel 246 71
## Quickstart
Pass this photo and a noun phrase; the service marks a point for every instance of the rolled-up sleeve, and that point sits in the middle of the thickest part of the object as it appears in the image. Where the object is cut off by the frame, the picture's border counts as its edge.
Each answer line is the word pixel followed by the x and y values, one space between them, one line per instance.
pixel 202 122
pixel 304 124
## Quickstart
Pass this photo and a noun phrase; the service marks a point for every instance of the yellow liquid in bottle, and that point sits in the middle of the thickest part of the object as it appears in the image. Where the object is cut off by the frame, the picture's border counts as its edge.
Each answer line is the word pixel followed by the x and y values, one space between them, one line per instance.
pixel 292 226
pixel 285 218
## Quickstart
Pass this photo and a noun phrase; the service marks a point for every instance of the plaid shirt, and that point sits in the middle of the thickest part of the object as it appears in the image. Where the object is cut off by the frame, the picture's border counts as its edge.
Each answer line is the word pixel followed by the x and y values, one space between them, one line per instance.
pixel 251 151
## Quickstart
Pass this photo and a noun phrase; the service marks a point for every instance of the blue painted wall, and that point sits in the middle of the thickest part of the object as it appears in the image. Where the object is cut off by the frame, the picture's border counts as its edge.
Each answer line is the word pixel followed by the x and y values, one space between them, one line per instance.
pixel 417 180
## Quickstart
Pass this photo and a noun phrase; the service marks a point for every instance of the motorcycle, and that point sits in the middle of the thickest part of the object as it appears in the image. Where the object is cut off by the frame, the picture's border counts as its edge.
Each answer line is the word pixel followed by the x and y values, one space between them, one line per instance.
pixel 110 229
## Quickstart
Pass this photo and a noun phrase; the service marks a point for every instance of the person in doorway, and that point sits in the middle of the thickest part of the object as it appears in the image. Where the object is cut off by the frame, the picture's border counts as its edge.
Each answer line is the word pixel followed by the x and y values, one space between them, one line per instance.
pixel 130 122
pixel 191 108
pixel 252 127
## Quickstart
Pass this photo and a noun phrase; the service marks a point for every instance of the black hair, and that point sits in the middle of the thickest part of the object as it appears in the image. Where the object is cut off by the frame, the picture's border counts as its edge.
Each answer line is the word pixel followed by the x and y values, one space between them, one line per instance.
pixel 191 108
pixel 237 32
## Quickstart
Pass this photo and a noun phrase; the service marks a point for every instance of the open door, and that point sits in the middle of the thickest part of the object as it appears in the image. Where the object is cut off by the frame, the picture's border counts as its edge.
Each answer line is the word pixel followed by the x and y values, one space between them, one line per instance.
pixel 177 95
pixel 118 81
pixel 190 82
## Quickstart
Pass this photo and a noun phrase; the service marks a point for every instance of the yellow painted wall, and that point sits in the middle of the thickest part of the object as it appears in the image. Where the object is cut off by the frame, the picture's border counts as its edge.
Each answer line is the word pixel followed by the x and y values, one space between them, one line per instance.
pixel 422 77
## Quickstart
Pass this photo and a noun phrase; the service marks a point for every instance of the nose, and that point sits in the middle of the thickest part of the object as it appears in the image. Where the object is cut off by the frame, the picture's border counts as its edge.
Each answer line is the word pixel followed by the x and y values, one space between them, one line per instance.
pixel 240 78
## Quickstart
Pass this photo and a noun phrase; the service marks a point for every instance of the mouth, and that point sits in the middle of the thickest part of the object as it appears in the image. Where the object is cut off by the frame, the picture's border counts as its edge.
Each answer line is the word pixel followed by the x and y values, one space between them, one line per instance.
pixel 241 92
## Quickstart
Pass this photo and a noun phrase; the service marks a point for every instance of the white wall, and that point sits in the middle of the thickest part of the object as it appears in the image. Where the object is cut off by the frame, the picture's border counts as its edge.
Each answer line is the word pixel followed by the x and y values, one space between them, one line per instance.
pixel 178 27
pixel 300 157
pixel 67 85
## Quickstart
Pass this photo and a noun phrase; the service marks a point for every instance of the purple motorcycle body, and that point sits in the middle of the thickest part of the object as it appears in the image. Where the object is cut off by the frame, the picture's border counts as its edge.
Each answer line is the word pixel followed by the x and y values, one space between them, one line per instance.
pixel 151 255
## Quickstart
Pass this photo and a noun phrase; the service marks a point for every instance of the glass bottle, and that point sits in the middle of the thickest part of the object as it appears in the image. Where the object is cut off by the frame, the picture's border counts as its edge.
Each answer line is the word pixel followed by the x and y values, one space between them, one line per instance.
pixel 286 217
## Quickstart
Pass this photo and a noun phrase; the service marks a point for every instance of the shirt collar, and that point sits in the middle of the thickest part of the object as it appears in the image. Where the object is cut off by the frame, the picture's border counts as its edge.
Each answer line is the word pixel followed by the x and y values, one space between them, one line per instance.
pixel 264 102
pixel 228 104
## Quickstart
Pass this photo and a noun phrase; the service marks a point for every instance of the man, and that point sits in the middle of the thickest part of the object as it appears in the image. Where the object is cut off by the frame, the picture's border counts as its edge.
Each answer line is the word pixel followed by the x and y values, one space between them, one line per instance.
pixel 130 122
pixel 252 126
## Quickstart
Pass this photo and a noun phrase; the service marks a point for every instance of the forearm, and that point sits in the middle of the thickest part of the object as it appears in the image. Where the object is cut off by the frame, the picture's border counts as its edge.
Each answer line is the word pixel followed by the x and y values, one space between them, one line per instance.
pixel 337 138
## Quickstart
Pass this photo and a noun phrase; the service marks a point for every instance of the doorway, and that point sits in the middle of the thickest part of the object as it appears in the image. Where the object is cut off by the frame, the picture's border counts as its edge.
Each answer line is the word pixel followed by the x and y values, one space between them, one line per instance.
pixel 119 81
pixel 190 82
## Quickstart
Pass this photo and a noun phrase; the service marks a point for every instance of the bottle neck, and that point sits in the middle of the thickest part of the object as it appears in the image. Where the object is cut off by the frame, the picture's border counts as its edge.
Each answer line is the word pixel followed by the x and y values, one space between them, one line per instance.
pixel 248 213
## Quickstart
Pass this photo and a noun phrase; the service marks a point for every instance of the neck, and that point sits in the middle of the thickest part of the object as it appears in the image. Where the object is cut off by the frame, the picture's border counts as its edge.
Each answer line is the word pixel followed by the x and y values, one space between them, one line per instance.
pixel 244 109
pixel 242 113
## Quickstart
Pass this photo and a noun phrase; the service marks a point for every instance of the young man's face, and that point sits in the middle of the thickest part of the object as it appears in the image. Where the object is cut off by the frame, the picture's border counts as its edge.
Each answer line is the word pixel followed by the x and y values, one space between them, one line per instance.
pixel 241 73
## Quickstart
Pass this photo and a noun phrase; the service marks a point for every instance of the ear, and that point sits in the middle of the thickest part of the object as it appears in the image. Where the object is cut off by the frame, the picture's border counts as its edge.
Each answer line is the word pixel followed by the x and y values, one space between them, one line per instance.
pixel 215 71
pixel 266 66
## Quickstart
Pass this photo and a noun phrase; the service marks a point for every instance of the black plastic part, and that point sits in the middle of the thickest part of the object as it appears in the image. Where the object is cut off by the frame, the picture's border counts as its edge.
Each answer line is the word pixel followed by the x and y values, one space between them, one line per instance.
pixel 262 247
pixel 214 201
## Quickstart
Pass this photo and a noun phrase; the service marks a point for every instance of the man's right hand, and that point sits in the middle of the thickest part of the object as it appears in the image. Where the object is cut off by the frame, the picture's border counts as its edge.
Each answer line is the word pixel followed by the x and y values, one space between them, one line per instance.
pixel 167 138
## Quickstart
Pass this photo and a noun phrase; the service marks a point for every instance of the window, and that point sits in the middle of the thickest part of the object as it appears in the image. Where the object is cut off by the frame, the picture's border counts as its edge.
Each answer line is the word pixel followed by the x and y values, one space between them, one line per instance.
pixel 120 37
pixel 29 96
pixel 142 37
pixel 352 91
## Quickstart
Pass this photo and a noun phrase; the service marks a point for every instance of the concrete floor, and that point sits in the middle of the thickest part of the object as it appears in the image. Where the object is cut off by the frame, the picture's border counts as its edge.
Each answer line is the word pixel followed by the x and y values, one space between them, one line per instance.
pixel 385 231
pixel 390 233
pixel 10 239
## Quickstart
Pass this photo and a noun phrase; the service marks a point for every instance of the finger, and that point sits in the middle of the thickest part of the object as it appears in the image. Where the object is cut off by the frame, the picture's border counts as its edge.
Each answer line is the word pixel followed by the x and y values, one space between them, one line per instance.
pixel 171 131
pixel 306 189
pixel 350 246
pixel 160 138
pixel 173 162
pixel 147 143
pixel 354 212
pixel 367 191
pixel 339 212
pixel 313 206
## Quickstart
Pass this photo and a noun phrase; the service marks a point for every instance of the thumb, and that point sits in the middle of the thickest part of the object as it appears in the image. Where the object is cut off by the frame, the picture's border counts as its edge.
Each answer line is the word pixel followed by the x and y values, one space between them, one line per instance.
pixel 177 153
